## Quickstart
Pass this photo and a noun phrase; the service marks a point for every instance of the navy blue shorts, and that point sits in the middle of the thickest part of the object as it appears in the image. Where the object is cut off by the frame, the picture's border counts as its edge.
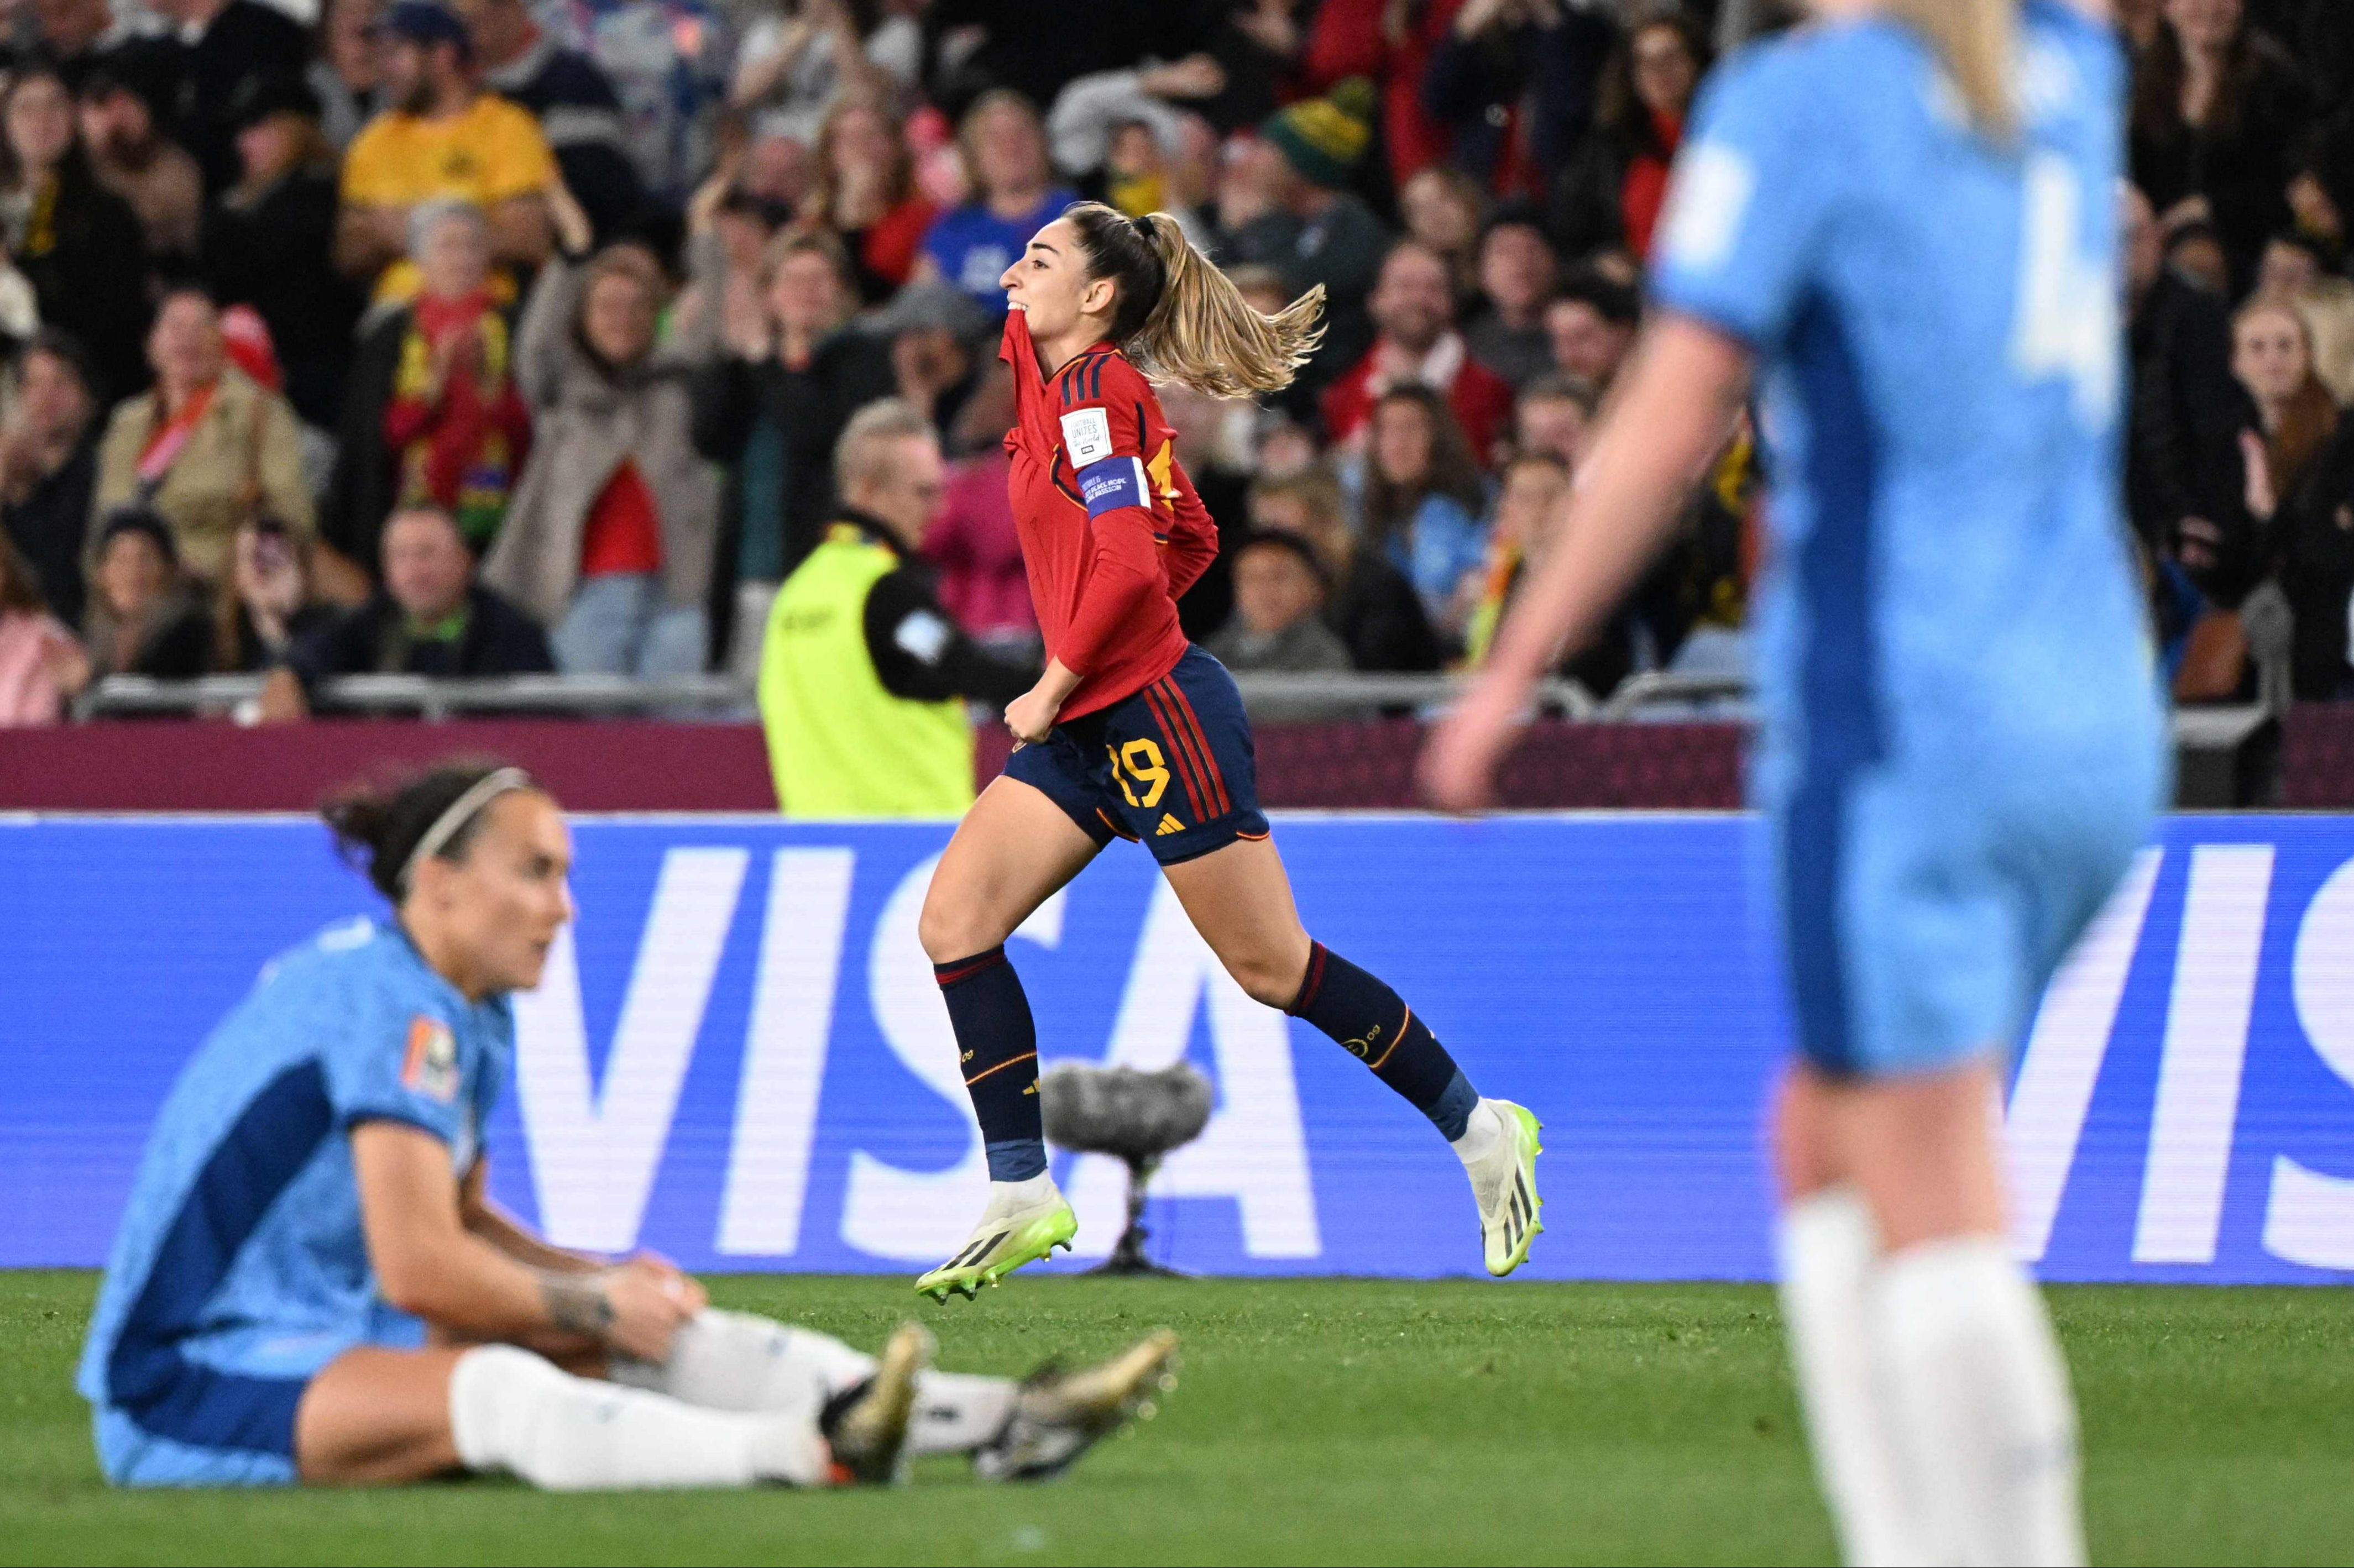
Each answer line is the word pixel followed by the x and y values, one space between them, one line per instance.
pixel 1172 766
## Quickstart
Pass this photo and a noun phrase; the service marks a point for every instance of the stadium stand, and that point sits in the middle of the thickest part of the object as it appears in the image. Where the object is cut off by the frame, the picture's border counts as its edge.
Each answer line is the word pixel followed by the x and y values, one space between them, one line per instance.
pixel 635 264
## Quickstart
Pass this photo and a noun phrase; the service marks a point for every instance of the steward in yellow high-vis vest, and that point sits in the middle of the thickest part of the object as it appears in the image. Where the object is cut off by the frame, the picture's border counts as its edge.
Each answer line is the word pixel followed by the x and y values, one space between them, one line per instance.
pixel 864 678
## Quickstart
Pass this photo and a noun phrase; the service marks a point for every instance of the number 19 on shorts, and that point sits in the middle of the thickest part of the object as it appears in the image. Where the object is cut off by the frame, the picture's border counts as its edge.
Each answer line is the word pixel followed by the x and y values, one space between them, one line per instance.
pixel 1138 765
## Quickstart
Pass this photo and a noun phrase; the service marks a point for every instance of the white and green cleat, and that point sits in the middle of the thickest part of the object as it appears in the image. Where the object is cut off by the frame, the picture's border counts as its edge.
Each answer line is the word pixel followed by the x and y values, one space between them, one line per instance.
pixel 1014 1230
pixel 1504 1180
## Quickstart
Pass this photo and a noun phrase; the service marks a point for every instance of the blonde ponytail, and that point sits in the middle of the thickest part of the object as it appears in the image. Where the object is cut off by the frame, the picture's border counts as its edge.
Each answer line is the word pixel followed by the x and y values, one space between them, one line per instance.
pixel 1203 334
pixel 1978 40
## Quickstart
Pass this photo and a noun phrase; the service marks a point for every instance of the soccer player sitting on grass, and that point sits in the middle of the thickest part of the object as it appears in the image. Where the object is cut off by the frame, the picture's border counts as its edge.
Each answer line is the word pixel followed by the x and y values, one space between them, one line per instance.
pixel 312 1286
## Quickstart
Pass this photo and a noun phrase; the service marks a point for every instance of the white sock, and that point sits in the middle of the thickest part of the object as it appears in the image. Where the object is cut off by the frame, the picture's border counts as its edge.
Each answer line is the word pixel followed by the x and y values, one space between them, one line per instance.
pixel 958 1412
pixel 1009 1197
pixel 1828 1248
pixel 1983 1396
pixel 511 1411
pixel 1481 1128
pixel 741 1362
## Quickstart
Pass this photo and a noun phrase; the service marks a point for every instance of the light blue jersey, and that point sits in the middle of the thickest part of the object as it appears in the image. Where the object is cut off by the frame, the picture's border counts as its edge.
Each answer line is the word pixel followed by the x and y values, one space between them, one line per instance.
pixel 1962 740
pixel 241 1269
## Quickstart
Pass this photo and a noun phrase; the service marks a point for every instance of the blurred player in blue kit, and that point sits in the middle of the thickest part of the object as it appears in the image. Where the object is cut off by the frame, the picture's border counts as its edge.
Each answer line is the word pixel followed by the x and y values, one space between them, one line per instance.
pixel 311 1284
pixel 1902 219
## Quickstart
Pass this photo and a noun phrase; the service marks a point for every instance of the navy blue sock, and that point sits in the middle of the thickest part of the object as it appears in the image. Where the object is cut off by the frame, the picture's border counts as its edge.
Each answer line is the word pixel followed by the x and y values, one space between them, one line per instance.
pixel 1376 1027
pixel 997 1045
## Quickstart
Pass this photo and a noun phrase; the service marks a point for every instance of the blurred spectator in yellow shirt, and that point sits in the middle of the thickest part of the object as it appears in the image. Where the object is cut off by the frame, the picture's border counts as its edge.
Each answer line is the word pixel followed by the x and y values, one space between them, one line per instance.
pixel 440 136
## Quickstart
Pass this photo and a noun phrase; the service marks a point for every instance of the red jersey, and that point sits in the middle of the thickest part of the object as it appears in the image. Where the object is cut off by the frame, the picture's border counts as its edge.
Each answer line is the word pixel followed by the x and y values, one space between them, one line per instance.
pixel 1112 530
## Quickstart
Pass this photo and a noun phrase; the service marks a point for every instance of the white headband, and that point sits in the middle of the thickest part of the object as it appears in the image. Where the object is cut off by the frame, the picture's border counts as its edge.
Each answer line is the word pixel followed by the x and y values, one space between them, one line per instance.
pixel 460 812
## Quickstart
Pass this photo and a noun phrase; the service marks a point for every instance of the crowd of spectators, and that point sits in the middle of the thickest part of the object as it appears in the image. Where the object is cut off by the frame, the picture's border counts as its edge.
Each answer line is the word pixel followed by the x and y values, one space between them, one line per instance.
pixel 494 336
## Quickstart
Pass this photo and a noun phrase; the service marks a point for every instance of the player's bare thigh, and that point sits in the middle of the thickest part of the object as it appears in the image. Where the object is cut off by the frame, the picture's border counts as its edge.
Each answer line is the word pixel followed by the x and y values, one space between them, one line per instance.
pixel 1013 850
pixel 1924 1150
pixel 378 1417
pixel 1806 1160
pixel 576 1353
pixel 1239 899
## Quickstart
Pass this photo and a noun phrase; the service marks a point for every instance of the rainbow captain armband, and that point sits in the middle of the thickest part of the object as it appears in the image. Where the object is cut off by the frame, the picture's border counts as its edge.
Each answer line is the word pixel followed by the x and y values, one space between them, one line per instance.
pixel 1112 483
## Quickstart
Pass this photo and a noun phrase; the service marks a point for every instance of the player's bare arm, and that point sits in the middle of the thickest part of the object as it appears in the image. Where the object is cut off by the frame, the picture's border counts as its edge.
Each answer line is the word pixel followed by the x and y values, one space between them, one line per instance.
pixel 432 1266
pixel 1675 407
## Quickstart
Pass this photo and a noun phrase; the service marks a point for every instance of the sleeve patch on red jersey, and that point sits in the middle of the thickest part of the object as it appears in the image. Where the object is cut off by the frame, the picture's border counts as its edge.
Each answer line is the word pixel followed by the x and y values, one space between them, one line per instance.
pixel 1114 483
pixel 1087 436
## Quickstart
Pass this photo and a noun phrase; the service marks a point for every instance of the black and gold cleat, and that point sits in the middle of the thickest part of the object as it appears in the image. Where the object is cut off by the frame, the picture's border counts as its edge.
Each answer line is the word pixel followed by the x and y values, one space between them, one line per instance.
pixel 1059 1415
pixel 870 1433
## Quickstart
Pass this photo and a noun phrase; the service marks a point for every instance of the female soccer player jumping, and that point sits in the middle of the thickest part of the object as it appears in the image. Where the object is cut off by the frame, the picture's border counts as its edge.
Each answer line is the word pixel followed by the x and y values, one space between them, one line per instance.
pixel 1133 733
pixel 311 1285
pixel 1906 213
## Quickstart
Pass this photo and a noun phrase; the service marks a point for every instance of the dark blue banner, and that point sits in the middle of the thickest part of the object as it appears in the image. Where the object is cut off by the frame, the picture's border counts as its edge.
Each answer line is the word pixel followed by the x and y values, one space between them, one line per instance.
pixel 741 1059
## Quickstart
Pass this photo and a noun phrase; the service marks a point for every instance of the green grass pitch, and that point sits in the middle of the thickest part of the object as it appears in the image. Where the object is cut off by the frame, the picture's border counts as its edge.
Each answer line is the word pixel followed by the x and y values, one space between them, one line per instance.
pixel 1323 1421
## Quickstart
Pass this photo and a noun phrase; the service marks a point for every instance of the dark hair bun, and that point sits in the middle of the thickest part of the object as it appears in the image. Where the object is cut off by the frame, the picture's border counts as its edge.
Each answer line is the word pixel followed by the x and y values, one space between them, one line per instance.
pixel 377 826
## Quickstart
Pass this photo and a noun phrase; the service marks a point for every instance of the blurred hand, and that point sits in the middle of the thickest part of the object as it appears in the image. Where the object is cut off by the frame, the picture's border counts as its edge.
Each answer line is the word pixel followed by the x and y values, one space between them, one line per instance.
pixel 648 1309
pixel 574 233
pixel 1031 717
pixel 269 578
pixel 2190 209
pixel 2261 500
pixel 704 205
pixel 1477 16
pixel 1394 366
pixel 68 664
pixel 460 354
pixel 744 323
pixel 2198 543
pixel 1271 24
pixel 687 311
pixel 2314 208
pixel 683 1285
pixel 337 578
pixel 1457 770
pixel 281 700
pixel 743 240
pixel 1195 76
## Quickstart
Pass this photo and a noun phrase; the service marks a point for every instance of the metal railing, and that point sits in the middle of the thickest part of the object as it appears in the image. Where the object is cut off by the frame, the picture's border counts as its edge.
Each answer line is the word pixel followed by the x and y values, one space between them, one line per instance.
pixel 585 696
pixel 1340 694
pixel 1325 695
pixel 1657 694
pixel 1336 695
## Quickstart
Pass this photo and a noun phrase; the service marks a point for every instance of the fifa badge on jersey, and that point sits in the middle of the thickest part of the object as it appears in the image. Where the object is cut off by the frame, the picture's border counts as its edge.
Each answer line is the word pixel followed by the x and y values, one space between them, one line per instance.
pixel 1087 436
pixel 431 1068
